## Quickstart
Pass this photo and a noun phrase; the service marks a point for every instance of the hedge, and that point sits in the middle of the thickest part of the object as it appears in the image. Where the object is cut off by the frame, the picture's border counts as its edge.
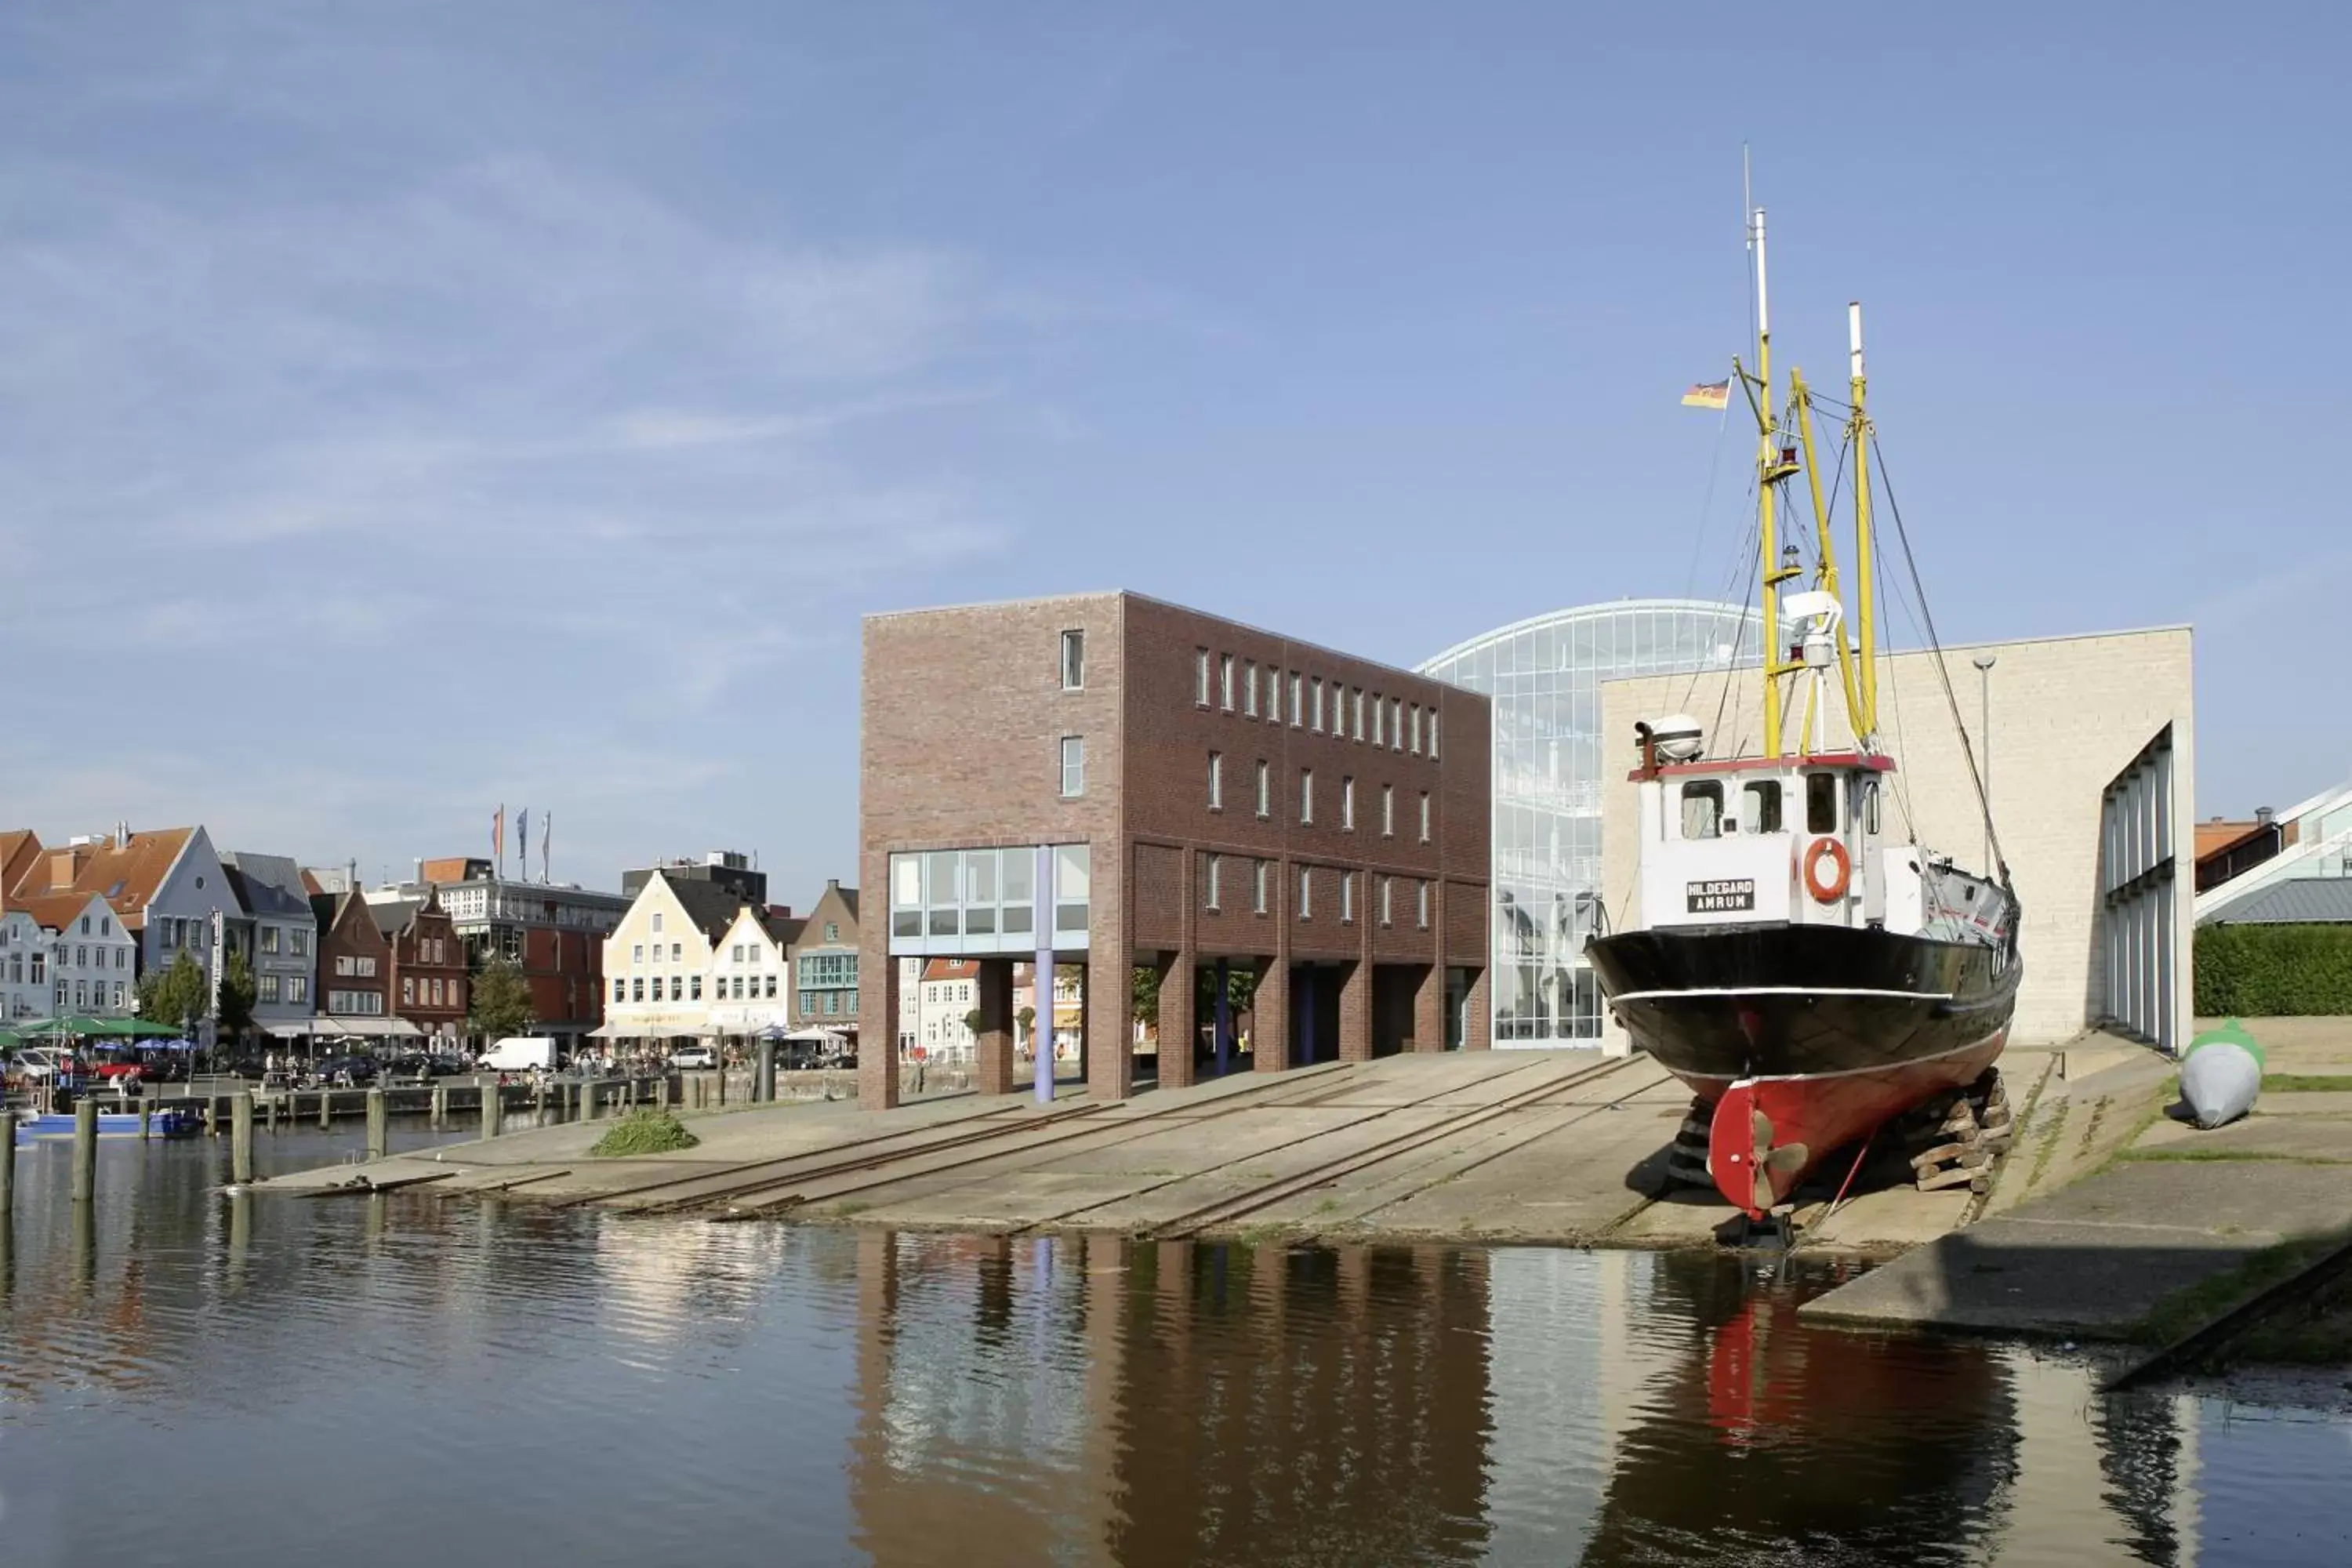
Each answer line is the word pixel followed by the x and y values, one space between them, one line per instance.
pixel 2272 971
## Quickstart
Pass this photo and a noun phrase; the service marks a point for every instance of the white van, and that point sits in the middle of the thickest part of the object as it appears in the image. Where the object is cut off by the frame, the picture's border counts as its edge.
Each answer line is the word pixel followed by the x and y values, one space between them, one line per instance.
pixel 521 1053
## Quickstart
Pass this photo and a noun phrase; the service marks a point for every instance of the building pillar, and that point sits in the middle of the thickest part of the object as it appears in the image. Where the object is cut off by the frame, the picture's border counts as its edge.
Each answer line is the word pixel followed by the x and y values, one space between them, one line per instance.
pixel 1306 1016
pixel 1477 1025
pixel 1180 981
pixel 1356 1012
pixel 1108 1027
pixel 1223 1036
pixel 1429 1009
pixel 1270 1017
pixel 992 1048
pixel 878 998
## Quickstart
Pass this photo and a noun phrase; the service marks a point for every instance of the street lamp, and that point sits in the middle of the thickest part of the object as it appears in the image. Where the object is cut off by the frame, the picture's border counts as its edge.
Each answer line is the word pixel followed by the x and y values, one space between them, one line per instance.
pixel 1984 663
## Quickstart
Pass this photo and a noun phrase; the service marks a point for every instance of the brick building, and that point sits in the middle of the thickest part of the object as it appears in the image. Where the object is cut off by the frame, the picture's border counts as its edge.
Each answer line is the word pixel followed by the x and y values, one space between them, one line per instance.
pixel 1207 796
pixel 553 931
pixel 354 972
pixel 428 981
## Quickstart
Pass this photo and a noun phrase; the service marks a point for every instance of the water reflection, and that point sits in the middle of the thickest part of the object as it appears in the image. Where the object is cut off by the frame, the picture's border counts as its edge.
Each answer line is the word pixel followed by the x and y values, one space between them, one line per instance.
pixel 586 1389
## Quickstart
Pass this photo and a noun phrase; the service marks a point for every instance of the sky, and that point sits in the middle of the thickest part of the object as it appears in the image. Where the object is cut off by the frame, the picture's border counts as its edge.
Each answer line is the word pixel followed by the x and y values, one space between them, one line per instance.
pixel 409 409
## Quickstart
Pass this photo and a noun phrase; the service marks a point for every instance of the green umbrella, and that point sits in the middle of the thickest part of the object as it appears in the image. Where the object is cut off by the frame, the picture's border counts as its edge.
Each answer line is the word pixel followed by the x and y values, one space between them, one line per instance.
pixel 69 1023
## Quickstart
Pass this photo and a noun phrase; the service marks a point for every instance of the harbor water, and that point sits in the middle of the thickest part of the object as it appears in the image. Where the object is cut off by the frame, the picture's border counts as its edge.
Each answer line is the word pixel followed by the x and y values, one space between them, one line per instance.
pixel 195 1377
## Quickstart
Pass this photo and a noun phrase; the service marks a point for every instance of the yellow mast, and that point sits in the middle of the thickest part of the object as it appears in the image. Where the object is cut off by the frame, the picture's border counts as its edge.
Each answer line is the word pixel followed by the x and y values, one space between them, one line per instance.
pixel 1769 470
pixel 1858 440
pixel 1826 577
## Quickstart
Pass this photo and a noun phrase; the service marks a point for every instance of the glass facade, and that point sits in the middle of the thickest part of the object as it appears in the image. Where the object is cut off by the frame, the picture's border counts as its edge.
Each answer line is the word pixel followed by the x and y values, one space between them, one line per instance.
pixel 945 902
pixel 1544 677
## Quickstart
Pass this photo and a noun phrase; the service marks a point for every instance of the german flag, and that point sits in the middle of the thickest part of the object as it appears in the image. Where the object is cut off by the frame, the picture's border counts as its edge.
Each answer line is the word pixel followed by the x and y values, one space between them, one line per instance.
pixel 1708 394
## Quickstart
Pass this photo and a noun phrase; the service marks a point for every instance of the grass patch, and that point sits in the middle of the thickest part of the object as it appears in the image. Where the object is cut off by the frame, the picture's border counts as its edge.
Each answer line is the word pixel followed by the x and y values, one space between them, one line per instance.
pixel 2305 1083
pixel 2193 1157
pixel 644 1132
pixel 2192 1307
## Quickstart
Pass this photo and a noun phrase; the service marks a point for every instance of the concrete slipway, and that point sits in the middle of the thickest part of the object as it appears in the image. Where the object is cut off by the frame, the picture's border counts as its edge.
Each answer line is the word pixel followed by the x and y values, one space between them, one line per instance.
pixel 2089 1223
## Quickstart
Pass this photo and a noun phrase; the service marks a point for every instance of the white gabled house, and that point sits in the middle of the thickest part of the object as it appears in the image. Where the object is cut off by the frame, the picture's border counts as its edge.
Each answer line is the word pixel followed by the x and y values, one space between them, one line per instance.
pixel 751 982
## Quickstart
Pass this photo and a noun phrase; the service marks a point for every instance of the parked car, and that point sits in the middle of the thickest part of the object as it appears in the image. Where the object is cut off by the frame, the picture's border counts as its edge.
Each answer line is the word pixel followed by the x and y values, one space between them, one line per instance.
pixel 119 1067
pixel 349 1072
pixel 686 1057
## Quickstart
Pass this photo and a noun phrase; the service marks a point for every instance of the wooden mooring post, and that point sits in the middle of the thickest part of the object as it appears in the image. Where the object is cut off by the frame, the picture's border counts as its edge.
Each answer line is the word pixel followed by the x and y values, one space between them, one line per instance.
pixel 440 1105
pixel 7 1166
pixel 763 1082
pixel 85 1151
pixel 326 1107
pixel 493 1109
pixel 146 1118
pixel 378 1140
pixel 240 1142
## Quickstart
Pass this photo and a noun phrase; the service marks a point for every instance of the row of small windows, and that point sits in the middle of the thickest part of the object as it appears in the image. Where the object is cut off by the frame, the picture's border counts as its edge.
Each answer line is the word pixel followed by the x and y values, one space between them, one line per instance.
pixel 1261 881
pixel 1341 710
pixel 689 988
pixel 741 952
pixel 1306 797
pixel 89 994
pixel 1705 813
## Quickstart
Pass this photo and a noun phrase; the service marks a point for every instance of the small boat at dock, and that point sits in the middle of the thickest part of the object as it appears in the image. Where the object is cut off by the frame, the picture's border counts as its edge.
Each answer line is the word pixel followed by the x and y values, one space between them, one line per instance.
pixel 175 1122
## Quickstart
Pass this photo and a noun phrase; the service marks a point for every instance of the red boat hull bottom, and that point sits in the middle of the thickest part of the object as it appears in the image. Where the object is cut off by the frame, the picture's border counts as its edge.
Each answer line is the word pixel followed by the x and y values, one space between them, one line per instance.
pixel 1768 1133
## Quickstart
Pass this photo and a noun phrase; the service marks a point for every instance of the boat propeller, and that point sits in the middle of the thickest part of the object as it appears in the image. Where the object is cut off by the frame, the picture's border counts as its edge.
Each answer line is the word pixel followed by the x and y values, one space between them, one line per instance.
pixel 1773 1164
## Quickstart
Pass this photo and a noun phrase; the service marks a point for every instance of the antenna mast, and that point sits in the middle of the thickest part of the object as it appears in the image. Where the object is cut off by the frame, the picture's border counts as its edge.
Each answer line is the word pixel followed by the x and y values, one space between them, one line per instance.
pixel 1767 459
pixel 1865 565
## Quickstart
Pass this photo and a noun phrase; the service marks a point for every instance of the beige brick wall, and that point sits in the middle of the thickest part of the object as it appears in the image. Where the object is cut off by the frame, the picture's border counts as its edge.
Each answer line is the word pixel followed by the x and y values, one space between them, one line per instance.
pixel 2068 715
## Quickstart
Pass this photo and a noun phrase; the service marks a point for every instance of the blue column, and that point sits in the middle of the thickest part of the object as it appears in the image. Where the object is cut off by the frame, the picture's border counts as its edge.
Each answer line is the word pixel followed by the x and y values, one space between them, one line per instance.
pixel 1041 1033
pixel 1224 1023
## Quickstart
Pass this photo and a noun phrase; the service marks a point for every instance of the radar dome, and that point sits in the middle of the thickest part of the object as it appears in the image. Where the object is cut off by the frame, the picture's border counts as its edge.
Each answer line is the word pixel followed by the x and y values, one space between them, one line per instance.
pixel 1679 737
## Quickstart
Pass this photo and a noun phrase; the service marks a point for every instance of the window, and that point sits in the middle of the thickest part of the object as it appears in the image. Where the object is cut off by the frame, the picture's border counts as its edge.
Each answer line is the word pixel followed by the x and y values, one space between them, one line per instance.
pixel 1379 710
pixel 1316 722
pixel 657 918
pixel 1215 868
pixel 1762 814
pixel 1424 816
pixel 121 958
pixel 636 953
pixel 1216 781
pixel 298 943
pixel 1388 811
pixel 1415 747
pixel 1225 682
pixel 1358 696
pixel 85 925
pixel 737 954
pixel 694 988
pixel 1863 801
pixel 1201 676
pixel 270 938
pixel 408 991
pixel 297 988
pixel 658 988
pixel 1249 689
pixel 1347 897
pixel 437 997
pixel 1420 905
pixel 1347 804
pixel 1307 795
pixel 1703 809
pixel 1305 893
pixel 1386 889
pixel 638 989
pixel 1073 660
pixel 1396 724
pixel 1261 881
pixel 1298 700
pixel 675 949
pixel 82 997
pixel 1821 803
pixel 737 990
pixel 1074 766
pixel 105 925
pixel 1264 789
pixel 81 954
pixel 344 963
pixel 1433 734
pixel 266 987
pixel 832 930
pixel 772 987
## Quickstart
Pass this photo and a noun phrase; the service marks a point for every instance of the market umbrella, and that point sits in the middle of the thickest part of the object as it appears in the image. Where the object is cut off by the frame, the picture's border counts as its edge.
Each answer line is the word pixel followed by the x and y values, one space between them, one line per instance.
pixel 134 1028
pixel 68 1024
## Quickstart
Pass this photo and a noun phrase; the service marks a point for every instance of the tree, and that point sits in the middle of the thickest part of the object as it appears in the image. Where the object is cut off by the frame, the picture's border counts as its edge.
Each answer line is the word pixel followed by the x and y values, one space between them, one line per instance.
pixel 501 1004
pixel 1146 997
pixel 972 1022
pixel 239 992
pixel 180 992
pixel 1027 1019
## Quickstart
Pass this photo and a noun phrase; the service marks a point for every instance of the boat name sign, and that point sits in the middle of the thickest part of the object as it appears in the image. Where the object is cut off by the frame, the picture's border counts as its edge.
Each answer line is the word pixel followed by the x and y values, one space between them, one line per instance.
pixel 1719 895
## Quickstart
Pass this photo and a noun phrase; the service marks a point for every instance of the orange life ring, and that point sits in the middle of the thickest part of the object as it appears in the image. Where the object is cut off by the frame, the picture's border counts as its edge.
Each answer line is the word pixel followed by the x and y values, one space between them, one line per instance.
pixel 1829 850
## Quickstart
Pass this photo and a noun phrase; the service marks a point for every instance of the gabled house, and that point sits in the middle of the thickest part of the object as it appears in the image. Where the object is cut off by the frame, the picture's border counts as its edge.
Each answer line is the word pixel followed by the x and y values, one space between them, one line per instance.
pixel 825 964
pixel 950 991
pixel 24 993
pixel 167 886
pixel 280 940
pixel 658 960
pixel 751 977
pixel 93 963
pixel 354 974
pixel 428 967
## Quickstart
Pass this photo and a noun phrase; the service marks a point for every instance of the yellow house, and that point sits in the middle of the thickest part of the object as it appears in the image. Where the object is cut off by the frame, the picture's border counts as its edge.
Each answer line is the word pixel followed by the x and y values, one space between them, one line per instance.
pixel 659 961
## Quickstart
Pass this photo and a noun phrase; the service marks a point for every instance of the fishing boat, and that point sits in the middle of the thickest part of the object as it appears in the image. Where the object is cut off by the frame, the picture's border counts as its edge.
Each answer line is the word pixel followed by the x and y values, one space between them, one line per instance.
pixel 1807 967
pixel 173 1122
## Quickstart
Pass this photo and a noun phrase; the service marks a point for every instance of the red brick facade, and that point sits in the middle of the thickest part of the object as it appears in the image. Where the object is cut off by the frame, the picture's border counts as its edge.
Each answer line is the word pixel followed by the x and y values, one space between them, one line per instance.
pixel 964 714
pixel 428 972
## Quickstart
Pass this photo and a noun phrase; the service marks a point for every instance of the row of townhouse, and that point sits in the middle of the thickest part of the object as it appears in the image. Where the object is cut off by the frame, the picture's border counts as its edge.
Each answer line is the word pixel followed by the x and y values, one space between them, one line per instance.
pixel 700 954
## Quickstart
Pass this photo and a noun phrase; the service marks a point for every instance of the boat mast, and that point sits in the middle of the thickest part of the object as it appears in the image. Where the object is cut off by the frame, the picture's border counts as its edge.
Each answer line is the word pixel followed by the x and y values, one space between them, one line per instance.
pixel 1858 440
pixel 1768 473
